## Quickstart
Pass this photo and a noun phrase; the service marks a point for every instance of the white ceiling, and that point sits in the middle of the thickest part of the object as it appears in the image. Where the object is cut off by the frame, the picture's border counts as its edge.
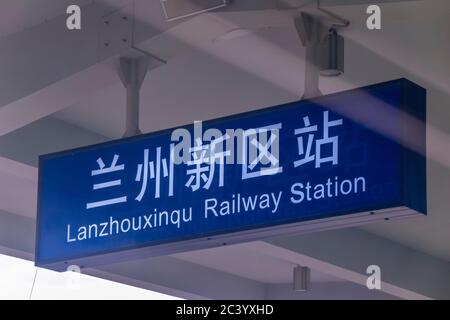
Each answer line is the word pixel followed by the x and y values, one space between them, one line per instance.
pixel 205 79
pixel 265 67
pixel 18 185
pixel 242 261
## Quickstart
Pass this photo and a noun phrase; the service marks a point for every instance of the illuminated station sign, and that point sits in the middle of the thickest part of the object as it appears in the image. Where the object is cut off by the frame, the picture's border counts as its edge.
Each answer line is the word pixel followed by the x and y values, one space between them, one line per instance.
pixel 334 161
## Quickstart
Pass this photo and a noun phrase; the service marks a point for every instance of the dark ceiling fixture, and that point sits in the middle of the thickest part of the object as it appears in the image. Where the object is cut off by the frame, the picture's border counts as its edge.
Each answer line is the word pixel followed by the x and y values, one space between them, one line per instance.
pixel 332 50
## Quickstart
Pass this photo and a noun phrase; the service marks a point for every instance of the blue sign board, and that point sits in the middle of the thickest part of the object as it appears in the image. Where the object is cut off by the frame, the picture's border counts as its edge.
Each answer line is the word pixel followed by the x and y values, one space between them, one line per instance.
pixel 328 162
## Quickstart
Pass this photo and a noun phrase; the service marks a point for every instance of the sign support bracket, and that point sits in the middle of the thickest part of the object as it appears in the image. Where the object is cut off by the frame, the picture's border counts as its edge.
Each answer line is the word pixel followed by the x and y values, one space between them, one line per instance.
pixel 132 72
pixel 311 31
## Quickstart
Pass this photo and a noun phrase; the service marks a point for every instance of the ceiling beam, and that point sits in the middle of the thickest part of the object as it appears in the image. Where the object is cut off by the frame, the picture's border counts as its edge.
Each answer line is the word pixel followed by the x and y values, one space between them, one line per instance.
pixel 12 225
pixel 18 169
pixel 168 275
pixel 47 68
pixel 253 5
pixel 346 253
pixel 41 137
pixel 187 278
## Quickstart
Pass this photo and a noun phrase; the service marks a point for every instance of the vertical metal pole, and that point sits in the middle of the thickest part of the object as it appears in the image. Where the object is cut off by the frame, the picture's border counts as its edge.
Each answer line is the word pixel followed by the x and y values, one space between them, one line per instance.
pixel 311 72
pixel 302 278
pixel 333 50
pixel 132 72
pixel 310 31
pixel 132 110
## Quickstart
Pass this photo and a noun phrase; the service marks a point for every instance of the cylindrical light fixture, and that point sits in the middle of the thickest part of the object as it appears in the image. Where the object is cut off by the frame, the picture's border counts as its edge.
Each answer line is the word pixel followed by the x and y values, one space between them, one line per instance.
pixel 302 278
pixel 331 67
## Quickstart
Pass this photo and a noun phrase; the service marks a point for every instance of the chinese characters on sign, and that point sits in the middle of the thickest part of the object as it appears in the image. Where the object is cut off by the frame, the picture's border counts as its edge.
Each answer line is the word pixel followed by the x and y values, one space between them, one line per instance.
pixel 108 184
pixel 208 160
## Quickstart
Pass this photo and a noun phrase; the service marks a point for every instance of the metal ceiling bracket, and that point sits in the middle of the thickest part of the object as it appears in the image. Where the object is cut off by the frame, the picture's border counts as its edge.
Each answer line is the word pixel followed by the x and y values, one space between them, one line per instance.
pixel 117 37
pixel 339 22
pixel 132 72
pixel 116 32
pixel 302 278
pixel 311 31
